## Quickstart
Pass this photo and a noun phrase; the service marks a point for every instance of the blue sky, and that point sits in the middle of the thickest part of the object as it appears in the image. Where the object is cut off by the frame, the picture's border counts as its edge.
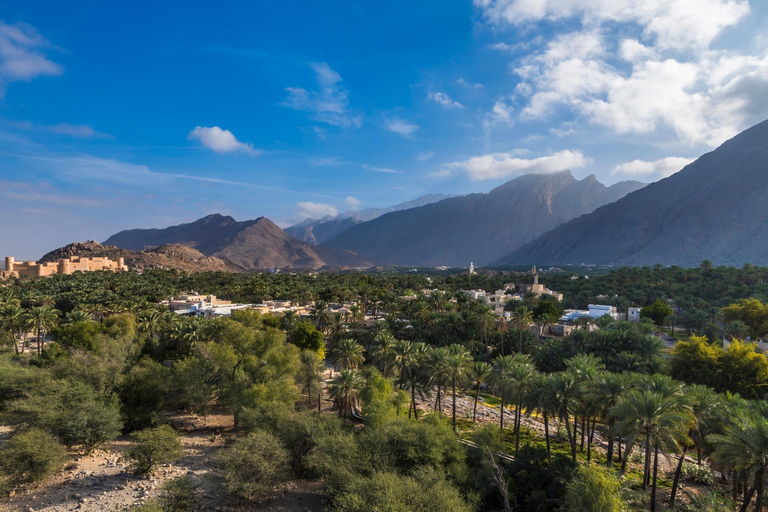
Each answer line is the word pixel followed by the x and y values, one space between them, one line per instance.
pixel 113 117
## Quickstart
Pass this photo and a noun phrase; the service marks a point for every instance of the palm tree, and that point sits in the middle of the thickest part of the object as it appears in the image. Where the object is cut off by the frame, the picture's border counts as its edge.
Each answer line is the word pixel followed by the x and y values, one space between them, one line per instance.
pixel 43 319
pixel 479 372
pixel 343 389
pixel 320 314
pixel 744 446
pixel 347 354
pixel 521 377
pixel 289 320
pixel 436 372
pixel 607 391
pixel 522 318
pixel 408 357
pixel 542 398
pixel 662 421
pixel 457 366
pixel 485 319
pixel 336 327
pixel 736 329
pixel 76 316
pixel 500 379
pixel 384 350
pixel 565 393
pixel 310 375
pixel 705 405
pixel 150 322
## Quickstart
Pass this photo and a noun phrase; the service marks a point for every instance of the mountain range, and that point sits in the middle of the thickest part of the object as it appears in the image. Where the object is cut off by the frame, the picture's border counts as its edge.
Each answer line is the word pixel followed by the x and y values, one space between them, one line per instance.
pixel 713 209
pixel 251 244
pixel 479 228
pixel 317 231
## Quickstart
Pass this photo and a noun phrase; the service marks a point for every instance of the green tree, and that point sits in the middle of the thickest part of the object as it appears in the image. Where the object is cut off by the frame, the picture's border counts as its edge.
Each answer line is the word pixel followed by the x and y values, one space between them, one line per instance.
pixel 30 456
pixel 457 367
pixel 657 312
pixel 594 489
pixel 480 373
pixel 521 319
pixel 153 446
pixel 307 337
pixel 254 464
pixel 344 390
pixel 347 354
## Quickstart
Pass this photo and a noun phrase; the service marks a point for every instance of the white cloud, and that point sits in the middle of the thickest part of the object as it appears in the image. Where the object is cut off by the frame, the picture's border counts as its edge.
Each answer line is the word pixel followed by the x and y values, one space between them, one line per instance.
pixel 352 202
pixel 384 170
pixel 306 209
pixel 471 85
pixel 22 54
pixel 659 169
pixel 677 81
pixel 501 113
pixel 503 165
pixel 85 131
pixel 219 140
pixel 329 103
pixel 423 157
pixel 672 23
pixel 400 126
pixel 444 100
pixel 440 173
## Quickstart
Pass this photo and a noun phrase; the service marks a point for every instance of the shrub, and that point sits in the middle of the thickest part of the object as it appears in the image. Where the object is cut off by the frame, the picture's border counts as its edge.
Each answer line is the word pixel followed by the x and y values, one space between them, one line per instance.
pixel 423 491
pixel 88 419
pixel 594 489
pixel 72 411
pixel 142 394
pixel 178 494
pixel 697 474
pixel 252 465
pixel 30 456
pixel 153 446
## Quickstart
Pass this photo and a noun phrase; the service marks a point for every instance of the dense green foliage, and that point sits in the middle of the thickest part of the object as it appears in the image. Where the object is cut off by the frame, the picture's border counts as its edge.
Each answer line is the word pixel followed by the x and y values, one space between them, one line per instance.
pixel 252 465
pixel 119 359
pixel 30 456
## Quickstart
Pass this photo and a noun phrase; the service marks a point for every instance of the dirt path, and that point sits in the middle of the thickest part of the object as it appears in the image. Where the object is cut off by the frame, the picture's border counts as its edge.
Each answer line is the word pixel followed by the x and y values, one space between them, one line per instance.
pixel 101 482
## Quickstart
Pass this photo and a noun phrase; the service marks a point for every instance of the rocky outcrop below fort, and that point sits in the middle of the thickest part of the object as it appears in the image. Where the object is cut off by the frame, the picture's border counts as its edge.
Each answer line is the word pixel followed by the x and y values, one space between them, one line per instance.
pixel 170 256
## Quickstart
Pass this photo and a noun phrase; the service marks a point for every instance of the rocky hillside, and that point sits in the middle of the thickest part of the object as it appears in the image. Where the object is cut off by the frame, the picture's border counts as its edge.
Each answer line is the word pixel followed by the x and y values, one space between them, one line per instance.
pixel 478 227
pixel 714 209
pixel 172 256
pixel 251 244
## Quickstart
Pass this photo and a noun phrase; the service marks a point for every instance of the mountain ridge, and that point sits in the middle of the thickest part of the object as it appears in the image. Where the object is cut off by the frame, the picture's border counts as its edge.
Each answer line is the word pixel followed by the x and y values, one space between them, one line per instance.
pixel 252 244
pixel 712 209
pixel 478 227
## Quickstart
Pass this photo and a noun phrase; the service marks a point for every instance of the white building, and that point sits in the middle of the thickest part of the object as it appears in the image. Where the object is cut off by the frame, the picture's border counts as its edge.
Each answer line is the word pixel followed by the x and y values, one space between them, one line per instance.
pixel 599 310
pixel 633 314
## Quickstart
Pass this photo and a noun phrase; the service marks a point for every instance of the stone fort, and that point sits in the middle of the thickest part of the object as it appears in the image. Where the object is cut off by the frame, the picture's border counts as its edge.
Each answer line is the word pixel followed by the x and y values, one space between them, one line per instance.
pixel 63 266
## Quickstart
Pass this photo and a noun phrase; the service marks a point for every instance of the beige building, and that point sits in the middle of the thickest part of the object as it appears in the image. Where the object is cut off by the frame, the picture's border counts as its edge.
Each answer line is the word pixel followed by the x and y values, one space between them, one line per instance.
pixel 63 266
pixel 538 289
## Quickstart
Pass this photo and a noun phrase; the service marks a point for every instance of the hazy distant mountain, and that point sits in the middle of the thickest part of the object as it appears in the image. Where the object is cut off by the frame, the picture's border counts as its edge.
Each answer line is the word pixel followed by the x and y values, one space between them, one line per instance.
pixel 713 209
pixel 252 244
pixel 317 231
pixel 478 227
pixel 172 256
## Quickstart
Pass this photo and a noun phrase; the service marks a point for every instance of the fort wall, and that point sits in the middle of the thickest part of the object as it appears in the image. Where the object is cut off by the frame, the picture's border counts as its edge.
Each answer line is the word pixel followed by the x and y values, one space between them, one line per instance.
pixel 63 266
